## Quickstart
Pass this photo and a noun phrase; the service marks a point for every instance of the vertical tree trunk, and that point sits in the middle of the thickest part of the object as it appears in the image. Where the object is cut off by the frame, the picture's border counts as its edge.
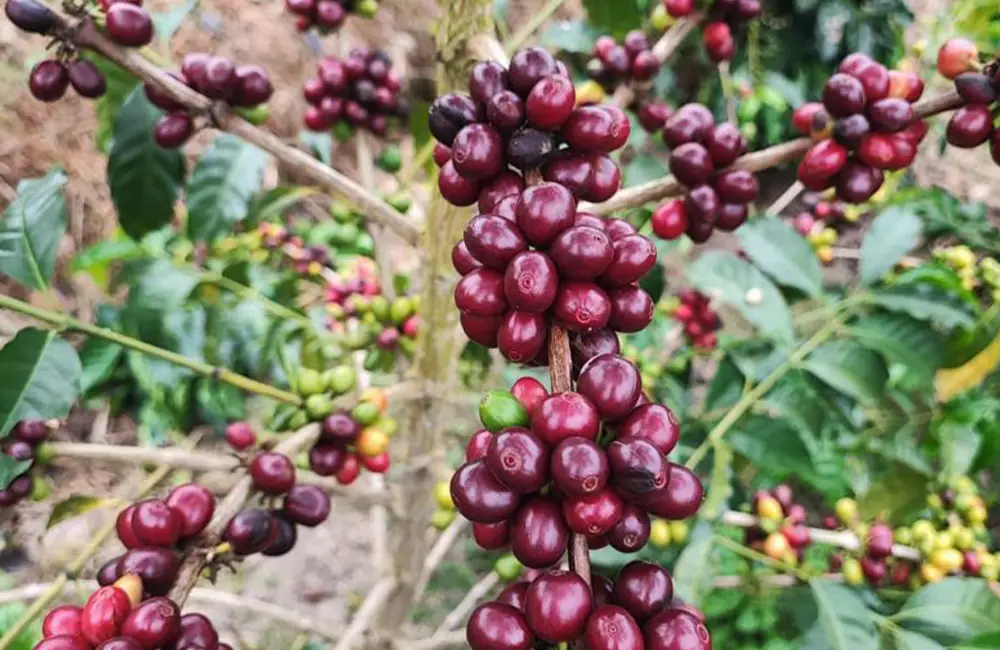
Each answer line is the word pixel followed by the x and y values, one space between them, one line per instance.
pixel 439 344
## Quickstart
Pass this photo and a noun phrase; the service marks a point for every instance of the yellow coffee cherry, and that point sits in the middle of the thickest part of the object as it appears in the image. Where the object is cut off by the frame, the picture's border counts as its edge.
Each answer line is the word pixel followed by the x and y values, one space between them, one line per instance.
pixel 847 510
pixel 963 537
pixel 659 533
pixel 372 441
pixel 776 546
pixel 922 529
pixel 442 495
pixel 852 213
pixel 441 519
pixel 934 502
pixel 825 255
pixel 944 540
pixel 931 573
pixel 769 508
pixel 903 535
pixel 589 92
pixel 949 560
pixel 679 531
pixel 976 514
pixel 828 236
pixel 660 19
pixel 853 575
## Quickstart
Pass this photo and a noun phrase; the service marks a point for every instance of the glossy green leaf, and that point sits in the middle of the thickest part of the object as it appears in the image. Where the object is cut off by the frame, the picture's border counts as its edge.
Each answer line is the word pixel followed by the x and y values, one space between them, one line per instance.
pixel 41 378
pixel 770 443
pixel 990 641
pixel 726 386
pixel 850 368
pixel 742 285
pixel 98 358
pixel 10 469
pixel 925 302
pixel 783 254
pixel 31 229
pixel 846 622
pixel 571 36
pixel 693 570
pixel 894 232
pixel 615 17
pixel 119 84
pixel 952 611
pixel 145 180
pixel 73 506
pixel 900 493
pixel 221 185
pixel 902 339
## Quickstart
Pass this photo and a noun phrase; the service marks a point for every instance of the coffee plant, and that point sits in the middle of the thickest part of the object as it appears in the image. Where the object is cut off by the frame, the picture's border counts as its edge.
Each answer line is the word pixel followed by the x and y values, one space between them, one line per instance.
pixel 664 413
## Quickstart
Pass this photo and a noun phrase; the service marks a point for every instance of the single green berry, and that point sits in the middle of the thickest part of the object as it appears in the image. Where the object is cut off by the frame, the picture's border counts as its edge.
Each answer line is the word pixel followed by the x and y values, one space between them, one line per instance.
pixel 388 424
pixel 256 115
pixel 400 201
pixel 365 413
pixel 499 409
pixel 847 510
pixel 442 495
pixel 365 245
pixel 299 419
pixel 508 568
pixel 310 382
pixel 40 488
pixel 341 212
pixel 380 308
pixel 400 309
pixel 441 519
pixel 341 379
pixel 342 131
pixel 319 406
pixel 366 8
pixel 390 160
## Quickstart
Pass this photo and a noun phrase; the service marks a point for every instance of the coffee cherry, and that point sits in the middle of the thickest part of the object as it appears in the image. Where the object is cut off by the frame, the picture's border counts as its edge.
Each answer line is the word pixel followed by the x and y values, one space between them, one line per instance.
pixel 732 216
pixel 155 523
pixel 30 16
pixel 196 631
pixel 240 436
pixel 350 470
pixel 581 306
pixel 674 629
pixel 631 532
pixel 637 467
pixel 486 80
pixel 496 626
pixel 557 606
pixel 843 95
pixel 905 85
pixel 477 152
pixel 877 150
pixel 529 148
pixel 669 220
pixel 691 164
pixel 579 467
pixel 612 628
pixel 891 114
pixel 654 115
pixel 822 162
pixel 970 126
pixel 644 589
pixel 874 78
pixel 251 531
pixel 634 256
pixel 326 459
pixel 124 528
pixel 455 188
pixel 272 473
pixel 581 253
pixel 481 293
pixel 956 56
pixel 679 8
pixel 573 172
pixel 86 79
pixel 479 496
pixel 157 567
pixel 48 80
pixel 879 543
pixel 544 211
pixel 154 623
pixel 103 614
pixel 654 423
pixel 483 330
pixel 596 129
pixel 173 130
pixel 550 103
pixel 564 415
pixel 253 87
pixel 538 533
pixel 976 88
pixel 494 241
pixel 857 183
pixel 528 67
pixel 307 505
pixel 514 595
pixel 739 186
pixel 681 497
pixel 492 537
pixel 519 460
pixel 611 383
pixel 506 184
pixel 120 643
pixel 849 131
pixel 593 514
pixel 718 40
pixel 64 620
pixel 702 207
pixel 449 114
pixel 129 25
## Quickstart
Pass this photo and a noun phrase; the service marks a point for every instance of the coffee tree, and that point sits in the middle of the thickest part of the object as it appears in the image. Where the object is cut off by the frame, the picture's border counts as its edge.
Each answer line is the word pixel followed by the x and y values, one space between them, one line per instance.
pixel 686 439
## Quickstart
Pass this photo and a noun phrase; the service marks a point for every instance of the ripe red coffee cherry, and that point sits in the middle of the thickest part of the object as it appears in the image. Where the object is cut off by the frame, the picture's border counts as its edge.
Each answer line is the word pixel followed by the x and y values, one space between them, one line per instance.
pixel 492 537
pixel 538 533
pixel 521 337
pixel 585 346
pixel 645 65
pixel 631 532
pixel 253 86
pixel 173 130
pixel 86 79
pixel 879 542
pixel 891 114
pixel 654 115
pixel 874 569
pixel 732 216
pixel 679 8
pixel 843 95
pixel 595 129
pixel 654 423
pixel 519 460
pixel 550 103
pixel 272 473
pixel 442 154
pixel 579 467
pixel 494 241
pixel 495 626
pixel 680 499
pixel 486 80
pixel 970 126
pixel 581 252
pixel 669 220
pixel 530 282
pixel 631 309
pixel 557 606
pixel 956 56
pixel 463 261
pixel 877 150
pixel 481 294
pixel 564 415
pixel 63 642
pixel 251 531
pixel 307 505
pixel 805 115
pixel 124 528
pixel 905 85
pixel 154 623
pixel 718 39
pixel 530 392
pixel 155 523
pixel 350 470
pixel 455 188
pixel 129 25
pixel 340 427
pixel 156 566
pixel 528 67
pixel 109 572
pixel 611 383
pixel 738 186
pixel 676 629
pixel 48 80
pixel 32 432
pixel 544 211
pixel 634 256
pixel 606 180
pixel 285 540
pixel 477 152
pixel 484 330
pixel 478 444
pixel 103 614
pixel 479 496
pixel 821 163
pixel 644 589
pixel 725 145
pixel 240 435
pixel 62 620
pixel 326 459
pixel 593 514
pixel 638 469
pixel 573 172
pixel 120 643
pixel 874 78
pixel 857 183
pixel 581 306
pixel 691 164
pixel 514 595
pixel 196 631
pixel 612 628
pixel 500 187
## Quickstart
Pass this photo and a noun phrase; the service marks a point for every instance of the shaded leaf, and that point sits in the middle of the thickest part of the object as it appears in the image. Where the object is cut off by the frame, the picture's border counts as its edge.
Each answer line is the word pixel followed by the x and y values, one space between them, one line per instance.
pixel 73 506
pixel 896 495
pixel 846 622
pixel 740 284
pixel 321 144
pixel 10 469
pixel 615 17
pixel 719 490
pixel 41 378
pixel 221 186
pixel 726 386
pixel 849 368
pixel 145 180
pixel 693 571
pixel 572 36
pixel 644 168
pixel 894 232
pixel 31 229
pixel 925 302
pixel 907 640
pixel 964 345
pixel 989 641
pixel 952 611
pixel 960 443
pixel 770 443
pixel 98 358
pixel 783 254
pixel 902 339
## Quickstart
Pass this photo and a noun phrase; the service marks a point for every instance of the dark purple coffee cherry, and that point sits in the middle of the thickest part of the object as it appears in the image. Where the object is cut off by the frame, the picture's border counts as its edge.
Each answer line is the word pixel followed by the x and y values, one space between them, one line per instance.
pixel 634 256
pixel 581 253
pixel 286 538
pixel 676 629
pixel 644 589
pixel 544 211
pixel 631 309
pixel 529 148
pixel 479 496
pixel 538 533
pixel 48 80
pixel 505 111
pixel 585 346
pixel 579 467
pixel 681 497
pixel 30 16
pixel 173 130
pixel 528 67
pixel 251 531
pixel 128 25
pixel 494 241
pixel 307 505
pixel 522 336
pixel 477 152
pixel 486 80
pixel 631 532
pixel 530 282
pixel 638 469
pixel 86 79
pixel 519 460
pixel 496 626
pixel 557 606
pixel 449 114
pixel 655 423
pixel 581 306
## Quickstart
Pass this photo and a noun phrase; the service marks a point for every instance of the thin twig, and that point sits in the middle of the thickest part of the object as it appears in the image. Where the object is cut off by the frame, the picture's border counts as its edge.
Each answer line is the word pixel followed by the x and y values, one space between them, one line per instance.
pixel 467 604
pixel 437 554
pixel 786 198
pixel 366 614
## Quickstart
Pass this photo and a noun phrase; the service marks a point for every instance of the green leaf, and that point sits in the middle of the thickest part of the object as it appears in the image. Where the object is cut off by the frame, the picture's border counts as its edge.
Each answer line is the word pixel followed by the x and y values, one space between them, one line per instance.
pixel 615 17
pixel 726 386
pixel 906 640
pixel 894 233
pixel 952 611
pixel 221 186
pixel 783 254
pixel 989 641
pixel 31 229
pixel 10 469
pixel 960 443
pixel 902 339
pixel 273 204
pixel 849 368
pixel 571 36
pixel 96 260
pixel 145 180
pixel 846 622
pixel 41 378
pixel 925 302
pixel 73 506
pixel 99 358
pixel 740 284
pixel 119 84
pixel 166 23
pixel 719 489
pixel 646 167
pixel 898 494
pixel 767 442
pixel 693 570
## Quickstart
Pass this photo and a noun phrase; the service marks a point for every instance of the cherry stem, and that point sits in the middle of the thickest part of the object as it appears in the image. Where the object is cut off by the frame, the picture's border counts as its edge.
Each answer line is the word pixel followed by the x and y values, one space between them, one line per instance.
pixel 755 161
pixel 298 162
pixel 64 322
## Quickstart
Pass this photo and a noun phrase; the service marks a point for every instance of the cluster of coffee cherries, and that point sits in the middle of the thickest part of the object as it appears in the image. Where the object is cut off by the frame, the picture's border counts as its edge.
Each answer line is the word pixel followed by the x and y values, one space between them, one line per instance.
pixel 699 319
pixel 635 610
pixel 215 77
pixel 287 248
pixel 865 125
pixel 973 124
pixel 328 15
pixel 388 325
pixel 724 16
pixel 21 446
pixel 360 91
pixel 632 60
pixel 520 119
pixel 715 197
pixel 542 469
pixel 124 616
pixel 781 532
pixel 974 274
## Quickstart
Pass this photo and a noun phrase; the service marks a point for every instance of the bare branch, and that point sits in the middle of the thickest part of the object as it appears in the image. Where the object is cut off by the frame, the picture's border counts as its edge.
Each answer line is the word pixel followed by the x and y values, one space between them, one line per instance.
pixel 457 615
pixel 366 614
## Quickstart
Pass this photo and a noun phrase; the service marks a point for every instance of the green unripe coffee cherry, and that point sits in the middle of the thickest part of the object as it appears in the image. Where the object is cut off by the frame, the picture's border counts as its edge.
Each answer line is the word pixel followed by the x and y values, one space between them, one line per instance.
pixel 964 538
pixel 342 131
pixel 508 568
pixel 944 540
pixel 256 115
pixel 346 234
pixel 390 159
pixel 310 382
pixel 341 212
pixel 441 519
pixel 366 8
pixel 340 379
pixel 299 419
pixel 365 245
pixel 319 406
pixel 365 413
pixel 934 502
pixel 40 489
pixel 44 454
pixel 442 495
pixel 922 530
pixel 387 425
pixel 903 535
pixel 853 575
pixel 400 201
pixel 380 308
pixel 964 485
pixel 408 346
pixel 400 309
pixel 499 409
pixel 847 510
